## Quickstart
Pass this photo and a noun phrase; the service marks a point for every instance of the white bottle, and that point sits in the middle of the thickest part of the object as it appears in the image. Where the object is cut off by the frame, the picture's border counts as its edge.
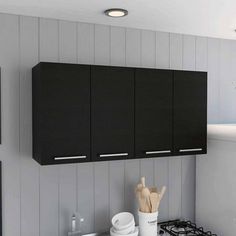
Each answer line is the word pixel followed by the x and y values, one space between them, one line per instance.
pixel 73 223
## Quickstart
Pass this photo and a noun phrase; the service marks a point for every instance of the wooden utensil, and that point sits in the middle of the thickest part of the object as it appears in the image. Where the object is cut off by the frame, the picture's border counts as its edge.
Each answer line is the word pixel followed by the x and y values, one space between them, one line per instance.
pixel 160 196
pixel 163 190
pixel 143 181
pixel 138 191
pixel 153 189
pixel 154 201
pixel 145 195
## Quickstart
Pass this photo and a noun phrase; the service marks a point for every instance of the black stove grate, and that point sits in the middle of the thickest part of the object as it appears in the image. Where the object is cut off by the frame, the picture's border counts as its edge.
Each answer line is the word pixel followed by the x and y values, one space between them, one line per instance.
pixel 183 228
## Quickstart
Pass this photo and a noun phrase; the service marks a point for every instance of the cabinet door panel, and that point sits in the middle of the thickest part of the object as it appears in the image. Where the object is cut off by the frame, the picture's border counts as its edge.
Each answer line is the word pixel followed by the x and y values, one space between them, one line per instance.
pixel 153 112
pixel 64 113
pixel 112 112
pixel 190 112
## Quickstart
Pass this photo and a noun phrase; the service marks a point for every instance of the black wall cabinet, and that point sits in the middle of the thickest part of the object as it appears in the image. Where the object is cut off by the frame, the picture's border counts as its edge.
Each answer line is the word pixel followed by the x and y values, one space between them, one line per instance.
pixel 61 113
pixel 112 113
pixel 96 113
pixel 190 112
pixel 153 112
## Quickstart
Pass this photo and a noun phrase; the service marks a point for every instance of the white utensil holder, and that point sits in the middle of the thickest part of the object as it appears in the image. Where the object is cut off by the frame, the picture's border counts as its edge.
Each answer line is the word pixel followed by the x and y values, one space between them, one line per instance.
pixel 148 223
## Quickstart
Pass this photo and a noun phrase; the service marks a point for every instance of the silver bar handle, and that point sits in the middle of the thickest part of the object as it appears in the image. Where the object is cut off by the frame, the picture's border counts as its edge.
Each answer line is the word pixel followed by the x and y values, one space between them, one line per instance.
pixel 114 154
pixel 190 150
pixel 69 158
pixel 158 152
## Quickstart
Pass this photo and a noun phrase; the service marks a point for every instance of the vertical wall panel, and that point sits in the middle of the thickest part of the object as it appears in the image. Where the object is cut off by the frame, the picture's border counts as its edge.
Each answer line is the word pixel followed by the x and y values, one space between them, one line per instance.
pixel 161 165
pixel 101 196
pixel 176 51
pixel 162 50
pixel 67 42
pixel 133 47
pixel 49 175
pixel 161 178
pixel 189 52
pixel 188 163
pixel 48 33
pixel 85 171
pixel 9 153
pixel 117 168
pixel 213 80
pixel 233 80
pixel 85 195
pixel 101 174
pixel 201 54
pixel 102 44
pixel 132 167
pixel 67 197
pixel 148 59
pixel 29 167
pixel 188 187
pixel 175 187
pixel 117 194
pixel 85 43
pixel 132 177
pixel 67 173
pixel 148 48
pixel 147 170
pixel 226 102
pixel 117 46
pixel 175 163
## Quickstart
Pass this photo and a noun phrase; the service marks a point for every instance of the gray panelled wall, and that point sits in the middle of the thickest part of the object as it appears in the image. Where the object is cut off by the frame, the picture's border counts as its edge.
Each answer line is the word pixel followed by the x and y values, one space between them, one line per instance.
pixel 40 200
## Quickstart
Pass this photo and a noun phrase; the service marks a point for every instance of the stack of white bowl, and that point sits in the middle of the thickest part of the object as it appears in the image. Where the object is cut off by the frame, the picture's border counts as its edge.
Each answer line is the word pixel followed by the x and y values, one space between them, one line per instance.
pixel 123 225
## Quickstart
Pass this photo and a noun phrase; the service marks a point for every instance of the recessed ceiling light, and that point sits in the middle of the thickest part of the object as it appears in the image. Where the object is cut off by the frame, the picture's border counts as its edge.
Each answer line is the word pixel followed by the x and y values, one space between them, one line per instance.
pixel 116 12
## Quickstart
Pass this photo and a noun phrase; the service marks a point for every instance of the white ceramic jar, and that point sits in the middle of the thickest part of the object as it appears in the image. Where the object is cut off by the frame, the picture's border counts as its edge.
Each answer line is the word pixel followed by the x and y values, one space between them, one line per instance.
pixel 148 223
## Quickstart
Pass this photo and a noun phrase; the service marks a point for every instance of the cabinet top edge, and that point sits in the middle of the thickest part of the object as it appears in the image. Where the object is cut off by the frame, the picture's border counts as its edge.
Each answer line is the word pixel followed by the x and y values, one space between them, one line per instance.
pixel 114 66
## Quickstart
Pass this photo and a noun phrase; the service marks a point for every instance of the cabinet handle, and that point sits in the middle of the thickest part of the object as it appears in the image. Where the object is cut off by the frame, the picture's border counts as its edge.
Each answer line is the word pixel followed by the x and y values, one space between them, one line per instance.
pixel 114 155
pixel 157 152
pixel 190 150
pixel 69 158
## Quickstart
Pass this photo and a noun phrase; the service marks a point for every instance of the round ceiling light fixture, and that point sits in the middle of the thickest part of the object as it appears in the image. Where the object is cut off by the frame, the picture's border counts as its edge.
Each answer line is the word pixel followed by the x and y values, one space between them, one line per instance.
pixel 116 12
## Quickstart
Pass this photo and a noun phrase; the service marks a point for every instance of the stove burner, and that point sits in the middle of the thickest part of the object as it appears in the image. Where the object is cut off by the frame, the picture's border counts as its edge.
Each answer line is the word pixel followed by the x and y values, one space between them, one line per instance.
pixel 183 228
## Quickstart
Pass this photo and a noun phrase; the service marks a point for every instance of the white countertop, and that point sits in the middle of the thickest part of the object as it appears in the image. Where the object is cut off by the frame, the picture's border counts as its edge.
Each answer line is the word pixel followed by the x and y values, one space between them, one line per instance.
pixel 225 132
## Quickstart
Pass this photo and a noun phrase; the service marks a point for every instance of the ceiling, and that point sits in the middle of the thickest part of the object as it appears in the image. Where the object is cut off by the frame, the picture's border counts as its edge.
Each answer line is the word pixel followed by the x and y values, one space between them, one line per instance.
pixel 214 18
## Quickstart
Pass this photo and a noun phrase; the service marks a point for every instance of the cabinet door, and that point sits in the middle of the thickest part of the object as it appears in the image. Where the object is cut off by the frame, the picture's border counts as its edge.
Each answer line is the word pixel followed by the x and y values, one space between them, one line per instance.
pixel 190 112
pixel 153 112
pixel 112 112
pixel 62 113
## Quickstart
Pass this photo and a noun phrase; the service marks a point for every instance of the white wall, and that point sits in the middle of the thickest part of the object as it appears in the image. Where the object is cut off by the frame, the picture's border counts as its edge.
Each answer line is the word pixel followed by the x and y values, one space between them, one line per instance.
pixel 216 188
pixel 40 200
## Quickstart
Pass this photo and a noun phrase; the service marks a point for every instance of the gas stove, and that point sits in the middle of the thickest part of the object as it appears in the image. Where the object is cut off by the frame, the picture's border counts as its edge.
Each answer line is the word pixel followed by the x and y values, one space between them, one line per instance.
pixel 182 228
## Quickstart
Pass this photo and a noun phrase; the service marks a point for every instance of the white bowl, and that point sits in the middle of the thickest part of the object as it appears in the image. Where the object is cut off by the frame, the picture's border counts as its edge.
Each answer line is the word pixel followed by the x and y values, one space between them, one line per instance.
pixel 133 233
pixel 124 231
pixel 122 220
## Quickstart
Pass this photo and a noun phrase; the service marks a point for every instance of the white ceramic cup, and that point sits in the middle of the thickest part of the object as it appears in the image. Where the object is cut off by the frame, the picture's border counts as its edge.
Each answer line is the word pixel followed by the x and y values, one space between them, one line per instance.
pixel 148 223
